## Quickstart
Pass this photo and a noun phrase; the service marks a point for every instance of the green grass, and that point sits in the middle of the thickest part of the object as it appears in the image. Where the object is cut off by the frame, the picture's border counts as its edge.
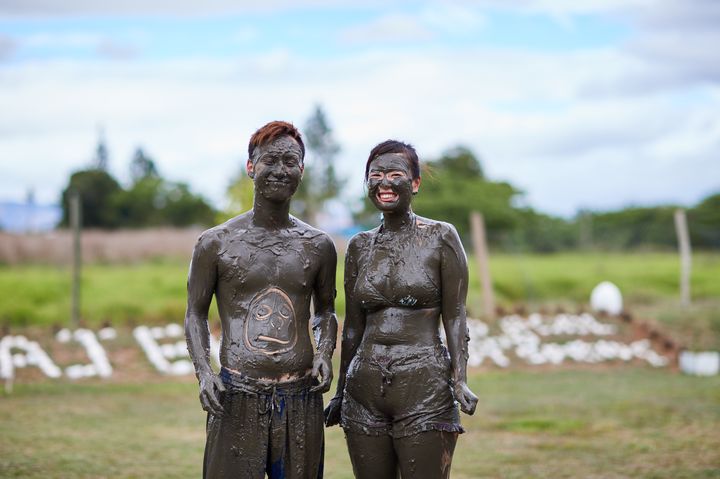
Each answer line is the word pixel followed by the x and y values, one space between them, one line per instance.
pixel 642 277
pixel 144 292
pixel 154 292
pixel 620 422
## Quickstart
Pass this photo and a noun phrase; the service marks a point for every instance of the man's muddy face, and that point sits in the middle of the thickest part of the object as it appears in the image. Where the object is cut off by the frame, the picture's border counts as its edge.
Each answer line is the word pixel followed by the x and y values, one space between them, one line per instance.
pixel 390 183
pixel 270 326
pixel 276 169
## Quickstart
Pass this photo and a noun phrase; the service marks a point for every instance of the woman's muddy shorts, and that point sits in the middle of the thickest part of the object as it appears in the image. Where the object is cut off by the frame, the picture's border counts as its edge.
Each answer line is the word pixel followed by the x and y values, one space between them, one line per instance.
pixel 400 395
pixel 274 430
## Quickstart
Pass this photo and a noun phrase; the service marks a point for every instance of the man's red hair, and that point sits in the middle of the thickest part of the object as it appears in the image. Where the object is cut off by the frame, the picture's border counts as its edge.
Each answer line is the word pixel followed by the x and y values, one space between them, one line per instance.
pixel 272 131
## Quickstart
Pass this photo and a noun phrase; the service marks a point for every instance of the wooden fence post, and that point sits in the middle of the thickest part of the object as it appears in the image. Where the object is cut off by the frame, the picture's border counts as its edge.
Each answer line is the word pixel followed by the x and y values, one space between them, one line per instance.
pixel 76 224
pixel 683 236
pixel 479 239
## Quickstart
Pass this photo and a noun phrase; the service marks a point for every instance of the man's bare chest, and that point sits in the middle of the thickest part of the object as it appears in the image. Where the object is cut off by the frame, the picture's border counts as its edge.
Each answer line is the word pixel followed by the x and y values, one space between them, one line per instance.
pixel 254 263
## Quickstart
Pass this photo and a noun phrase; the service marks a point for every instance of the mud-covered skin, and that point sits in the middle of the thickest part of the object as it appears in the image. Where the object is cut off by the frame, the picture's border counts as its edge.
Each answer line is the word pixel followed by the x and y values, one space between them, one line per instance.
pixel 391 173
pixel 423 456
pixel 264 259
pixel 401 280
pixel 271 324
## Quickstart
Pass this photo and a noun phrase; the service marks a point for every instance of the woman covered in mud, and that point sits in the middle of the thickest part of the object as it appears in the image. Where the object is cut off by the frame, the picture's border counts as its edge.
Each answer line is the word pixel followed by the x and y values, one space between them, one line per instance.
pixel 398 385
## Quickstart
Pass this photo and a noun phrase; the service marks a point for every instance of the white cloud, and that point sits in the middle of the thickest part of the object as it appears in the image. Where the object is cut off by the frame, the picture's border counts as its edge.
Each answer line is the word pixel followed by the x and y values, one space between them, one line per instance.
pixel 46 8
pixel 61 40
pixel 388 29
pixel 675 39
pixel 423 25
pixel 686 15
pixel 245 35
pixel 595 128
pixel 195 117
pixel 8 46
pixel 452 18
pixel 103 45
pixel 116 50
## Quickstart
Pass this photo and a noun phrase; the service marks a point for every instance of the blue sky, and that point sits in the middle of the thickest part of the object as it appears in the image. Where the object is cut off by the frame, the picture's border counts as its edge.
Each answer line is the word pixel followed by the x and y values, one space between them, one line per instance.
pixel 594 104
pixel 307 32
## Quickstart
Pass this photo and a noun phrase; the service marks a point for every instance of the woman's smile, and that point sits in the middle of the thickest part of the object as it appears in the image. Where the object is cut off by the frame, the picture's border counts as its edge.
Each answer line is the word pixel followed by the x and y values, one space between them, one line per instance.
pixel 386 195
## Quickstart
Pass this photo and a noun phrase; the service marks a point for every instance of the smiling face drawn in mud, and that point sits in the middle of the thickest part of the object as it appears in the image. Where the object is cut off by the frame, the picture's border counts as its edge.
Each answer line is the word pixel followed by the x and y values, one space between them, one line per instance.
pixel 270 326
pixel 276 168
pixel 390 182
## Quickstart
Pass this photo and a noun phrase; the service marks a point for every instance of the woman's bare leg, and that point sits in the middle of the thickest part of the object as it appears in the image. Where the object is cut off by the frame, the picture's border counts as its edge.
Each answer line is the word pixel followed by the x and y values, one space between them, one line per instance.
pixel 426 455
pixel 373 457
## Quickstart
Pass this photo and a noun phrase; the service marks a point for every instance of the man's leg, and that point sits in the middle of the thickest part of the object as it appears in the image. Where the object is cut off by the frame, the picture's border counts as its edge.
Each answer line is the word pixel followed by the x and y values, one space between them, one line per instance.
pixel 297 440
pixel 237 442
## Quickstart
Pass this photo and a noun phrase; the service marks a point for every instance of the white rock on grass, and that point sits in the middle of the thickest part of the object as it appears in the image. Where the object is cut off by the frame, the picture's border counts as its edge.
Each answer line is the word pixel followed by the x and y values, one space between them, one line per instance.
pixel 606 297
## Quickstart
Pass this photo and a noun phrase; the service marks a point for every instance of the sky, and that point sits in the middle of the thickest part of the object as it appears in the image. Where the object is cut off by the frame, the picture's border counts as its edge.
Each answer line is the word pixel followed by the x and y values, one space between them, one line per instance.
pixel 593 104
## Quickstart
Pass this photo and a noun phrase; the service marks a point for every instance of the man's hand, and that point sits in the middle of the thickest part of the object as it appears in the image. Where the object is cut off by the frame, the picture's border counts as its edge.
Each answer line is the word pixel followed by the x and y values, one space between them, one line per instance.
pixel 332 412
pixel 210 386
pixel 465 397
pixel 322 366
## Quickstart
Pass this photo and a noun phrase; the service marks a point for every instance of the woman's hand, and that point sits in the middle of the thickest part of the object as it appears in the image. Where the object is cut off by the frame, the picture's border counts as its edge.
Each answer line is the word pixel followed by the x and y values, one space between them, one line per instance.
pixel 332 412
pixel 465 397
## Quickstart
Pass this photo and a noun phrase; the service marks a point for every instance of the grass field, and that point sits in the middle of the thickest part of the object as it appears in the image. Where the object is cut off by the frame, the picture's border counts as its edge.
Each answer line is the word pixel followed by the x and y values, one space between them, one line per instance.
pixel 598 422
pixel 154 291
pixel 612 423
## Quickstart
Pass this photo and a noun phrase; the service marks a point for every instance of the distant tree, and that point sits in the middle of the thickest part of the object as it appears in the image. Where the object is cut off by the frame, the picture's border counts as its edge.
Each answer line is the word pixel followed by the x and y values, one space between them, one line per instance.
pixel 704 223
pixel 461 161
pixel 153 201
pixel 449 196
pixel 184 208
pixel 542 233
pixel 320 181
pixel 97 189
pixel 239 195
pixel 323 150
pixel 142 166
pixel 634 227
pixel 141 204
pixel 102 157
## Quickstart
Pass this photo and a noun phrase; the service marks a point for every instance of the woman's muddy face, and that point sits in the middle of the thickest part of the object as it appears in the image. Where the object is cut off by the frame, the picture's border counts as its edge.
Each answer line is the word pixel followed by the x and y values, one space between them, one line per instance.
pixel 390 182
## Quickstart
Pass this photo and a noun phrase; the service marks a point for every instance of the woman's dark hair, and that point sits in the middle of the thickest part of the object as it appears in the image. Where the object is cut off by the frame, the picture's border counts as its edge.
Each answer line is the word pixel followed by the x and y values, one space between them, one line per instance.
pixel 394 146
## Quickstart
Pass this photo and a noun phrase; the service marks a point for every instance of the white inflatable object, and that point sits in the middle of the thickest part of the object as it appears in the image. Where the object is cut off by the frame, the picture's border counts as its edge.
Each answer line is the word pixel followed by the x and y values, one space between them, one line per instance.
pixel 705 363
pixel 606 297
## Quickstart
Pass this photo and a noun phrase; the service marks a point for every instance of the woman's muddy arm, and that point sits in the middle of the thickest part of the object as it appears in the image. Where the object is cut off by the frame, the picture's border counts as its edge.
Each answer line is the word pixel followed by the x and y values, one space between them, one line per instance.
pixel 324 323
pixel 454 274
pixel 353 329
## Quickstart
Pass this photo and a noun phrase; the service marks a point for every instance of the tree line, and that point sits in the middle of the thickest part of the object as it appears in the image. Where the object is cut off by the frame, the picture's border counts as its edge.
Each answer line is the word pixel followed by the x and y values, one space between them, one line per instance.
pixel 149 199
pixel 454 184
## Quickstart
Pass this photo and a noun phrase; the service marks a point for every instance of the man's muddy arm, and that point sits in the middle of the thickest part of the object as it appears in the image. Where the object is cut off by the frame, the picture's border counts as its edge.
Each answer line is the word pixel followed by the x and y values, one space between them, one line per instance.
pixel 324 323
pixel 201 287
pixel 454 274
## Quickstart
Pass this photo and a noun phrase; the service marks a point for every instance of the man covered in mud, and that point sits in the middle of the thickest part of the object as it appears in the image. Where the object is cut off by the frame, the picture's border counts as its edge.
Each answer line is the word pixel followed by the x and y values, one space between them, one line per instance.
pixel 265 408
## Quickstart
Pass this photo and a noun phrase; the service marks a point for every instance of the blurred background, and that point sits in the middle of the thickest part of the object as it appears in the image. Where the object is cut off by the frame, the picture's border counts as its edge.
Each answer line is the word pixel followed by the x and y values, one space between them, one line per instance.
pixel 577 129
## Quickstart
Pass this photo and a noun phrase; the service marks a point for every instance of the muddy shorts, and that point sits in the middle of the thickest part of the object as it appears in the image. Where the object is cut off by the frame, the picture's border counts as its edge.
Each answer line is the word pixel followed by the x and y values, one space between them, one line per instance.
pixel 266 429
pixel 400 395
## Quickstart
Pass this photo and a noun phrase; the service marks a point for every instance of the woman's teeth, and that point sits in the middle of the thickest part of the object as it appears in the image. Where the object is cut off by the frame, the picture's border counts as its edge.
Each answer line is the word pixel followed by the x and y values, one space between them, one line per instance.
pixel 387 196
